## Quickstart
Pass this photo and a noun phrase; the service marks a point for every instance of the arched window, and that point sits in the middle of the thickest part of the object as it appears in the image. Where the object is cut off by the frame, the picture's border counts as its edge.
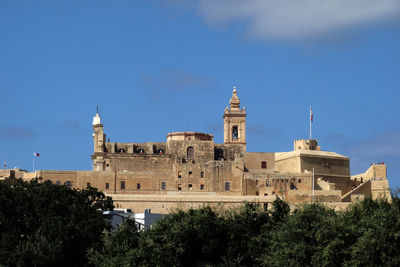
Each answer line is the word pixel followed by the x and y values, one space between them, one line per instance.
pixel 235 133
pixel 219 154
pixel 190 153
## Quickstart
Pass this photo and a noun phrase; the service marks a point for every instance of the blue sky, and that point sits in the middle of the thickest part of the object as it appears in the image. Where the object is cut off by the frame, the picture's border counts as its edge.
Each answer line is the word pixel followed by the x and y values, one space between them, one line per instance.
pixel 155 67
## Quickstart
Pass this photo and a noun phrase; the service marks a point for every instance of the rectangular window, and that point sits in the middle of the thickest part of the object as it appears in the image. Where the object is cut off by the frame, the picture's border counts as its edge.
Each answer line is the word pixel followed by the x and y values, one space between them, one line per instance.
pixel 190 186
pixel 202 174
pixel 257 193
pixel 87 185
pixel 58 182
pixel 227 186
pixel 202 187
pixel 179 174
pixel 265 206
pixel 190 173
pixel 163 185
pixel 107 186
pixel 138 186
pixel 299 181
pixel 263 164
pixel 123 185
pixel 179 187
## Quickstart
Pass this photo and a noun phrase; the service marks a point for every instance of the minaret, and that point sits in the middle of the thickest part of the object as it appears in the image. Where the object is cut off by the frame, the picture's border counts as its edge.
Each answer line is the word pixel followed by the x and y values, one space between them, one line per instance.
pixel 98 141
pixel 234 121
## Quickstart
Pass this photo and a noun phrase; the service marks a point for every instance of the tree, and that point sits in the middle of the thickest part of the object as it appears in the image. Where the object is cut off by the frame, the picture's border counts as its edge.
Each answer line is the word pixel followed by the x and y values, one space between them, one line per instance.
pixel 46 224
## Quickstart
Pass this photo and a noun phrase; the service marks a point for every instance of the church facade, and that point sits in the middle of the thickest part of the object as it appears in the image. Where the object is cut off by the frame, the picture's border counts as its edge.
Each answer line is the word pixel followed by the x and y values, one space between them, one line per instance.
pixel 190 169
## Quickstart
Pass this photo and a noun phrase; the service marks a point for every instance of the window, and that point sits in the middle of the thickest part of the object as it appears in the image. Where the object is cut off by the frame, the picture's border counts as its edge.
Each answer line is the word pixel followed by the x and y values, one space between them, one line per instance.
pixel 202 174
pixel 179 187
pixel 138 186
pixel 58 182
pixel 256 182
pixel 202 187
pixel 123 185
pixel 299 181
pixel 265 206
pixel 190 186
pixel 190 173
pixel 163 185
pixel 107 186
pixel 268 183
pixel 190 153
pixel 227 186
pixel 108 165
pixel 219 154
pixel 87 185
pixel 257 193
pixel 235 133
pixel 68 183
pixel 179 174
pixel 263 164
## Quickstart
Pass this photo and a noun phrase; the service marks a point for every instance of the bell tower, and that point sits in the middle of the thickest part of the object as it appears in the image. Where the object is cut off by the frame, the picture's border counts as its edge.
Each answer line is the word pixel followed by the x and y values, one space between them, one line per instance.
pixel 234 121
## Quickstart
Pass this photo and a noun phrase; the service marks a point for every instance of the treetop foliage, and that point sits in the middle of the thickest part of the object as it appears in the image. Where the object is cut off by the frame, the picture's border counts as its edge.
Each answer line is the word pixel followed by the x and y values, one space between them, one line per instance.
pixel 366 234
pixel 42 224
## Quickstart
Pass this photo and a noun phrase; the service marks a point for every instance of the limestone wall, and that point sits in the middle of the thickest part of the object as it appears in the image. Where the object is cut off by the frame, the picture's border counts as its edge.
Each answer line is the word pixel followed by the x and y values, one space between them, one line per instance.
pixel 253 161
pixel 374 171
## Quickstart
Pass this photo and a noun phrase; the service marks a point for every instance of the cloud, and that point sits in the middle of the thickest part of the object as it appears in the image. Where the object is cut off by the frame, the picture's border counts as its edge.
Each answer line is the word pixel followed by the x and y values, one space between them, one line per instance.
pixel 296 19
pixel 70 125
pixel 16 132
pixel 385 144
pixel 260 130
pixel 175 80
pixel 384 147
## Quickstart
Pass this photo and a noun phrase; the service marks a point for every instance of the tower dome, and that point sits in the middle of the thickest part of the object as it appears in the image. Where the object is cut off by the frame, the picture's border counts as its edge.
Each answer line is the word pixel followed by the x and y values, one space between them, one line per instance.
pixel 234 102
pixel 96 118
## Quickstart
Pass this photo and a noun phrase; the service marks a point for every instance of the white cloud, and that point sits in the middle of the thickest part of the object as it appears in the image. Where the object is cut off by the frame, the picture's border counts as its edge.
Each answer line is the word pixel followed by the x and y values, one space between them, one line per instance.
pixel 298 19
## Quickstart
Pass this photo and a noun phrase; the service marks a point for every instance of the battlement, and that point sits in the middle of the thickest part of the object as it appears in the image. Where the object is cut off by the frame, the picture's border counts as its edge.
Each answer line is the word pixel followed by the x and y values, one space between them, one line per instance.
pixel 309 144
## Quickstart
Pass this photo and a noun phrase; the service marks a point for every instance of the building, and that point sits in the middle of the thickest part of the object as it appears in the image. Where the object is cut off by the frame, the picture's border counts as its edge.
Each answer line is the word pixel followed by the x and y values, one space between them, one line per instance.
pixel 190 169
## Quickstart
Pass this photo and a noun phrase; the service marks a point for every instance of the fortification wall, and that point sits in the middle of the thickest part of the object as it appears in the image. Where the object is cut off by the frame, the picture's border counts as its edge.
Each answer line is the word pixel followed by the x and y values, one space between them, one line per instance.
pixel 253 161
pixel 326 166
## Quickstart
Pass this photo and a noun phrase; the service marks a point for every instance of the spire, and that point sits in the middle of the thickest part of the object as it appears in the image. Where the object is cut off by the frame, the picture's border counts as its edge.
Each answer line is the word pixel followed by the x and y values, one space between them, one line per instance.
pixel 96 118
pixel 234 102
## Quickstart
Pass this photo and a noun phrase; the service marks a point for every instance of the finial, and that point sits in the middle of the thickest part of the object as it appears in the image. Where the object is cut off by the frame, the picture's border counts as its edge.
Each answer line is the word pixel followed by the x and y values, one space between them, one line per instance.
pixel 97 109
pixel 234 89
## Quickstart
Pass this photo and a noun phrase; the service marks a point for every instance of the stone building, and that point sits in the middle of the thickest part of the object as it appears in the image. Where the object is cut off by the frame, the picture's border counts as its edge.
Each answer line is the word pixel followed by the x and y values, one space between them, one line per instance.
pixel 190 169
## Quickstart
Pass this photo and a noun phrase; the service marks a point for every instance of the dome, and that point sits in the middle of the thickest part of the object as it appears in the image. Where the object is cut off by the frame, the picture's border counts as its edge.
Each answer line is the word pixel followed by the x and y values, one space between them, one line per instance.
pixel 96 119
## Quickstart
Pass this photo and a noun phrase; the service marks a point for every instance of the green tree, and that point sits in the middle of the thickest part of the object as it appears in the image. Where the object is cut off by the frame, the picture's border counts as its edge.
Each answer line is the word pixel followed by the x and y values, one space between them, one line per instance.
pixel 46 224
pixel 376 224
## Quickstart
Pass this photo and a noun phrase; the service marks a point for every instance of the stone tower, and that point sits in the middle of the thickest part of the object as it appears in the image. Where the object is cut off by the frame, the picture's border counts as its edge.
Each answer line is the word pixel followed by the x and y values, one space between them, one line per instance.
pixel 234 122
pixel 98 142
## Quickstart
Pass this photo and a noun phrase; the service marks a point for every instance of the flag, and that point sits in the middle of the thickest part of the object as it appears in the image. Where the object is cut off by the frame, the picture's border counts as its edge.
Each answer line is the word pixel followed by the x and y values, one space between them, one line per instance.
pixel 311 115
pixel 36 154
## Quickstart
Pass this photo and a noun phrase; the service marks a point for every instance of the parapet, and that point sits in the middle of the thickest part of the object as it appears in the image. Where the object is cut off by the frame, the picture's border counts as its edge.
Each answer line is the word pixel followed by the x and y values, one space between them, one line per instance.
pixel 309 144
pixel 196 136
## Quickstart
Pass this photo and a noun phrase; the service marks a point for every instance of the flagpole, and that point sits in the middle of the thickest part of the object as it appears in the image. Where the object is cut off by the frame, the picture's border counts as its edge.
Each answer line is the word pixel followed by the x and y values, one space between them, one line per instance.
pixel 33 162
pixel 310 122
pixel 313 185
